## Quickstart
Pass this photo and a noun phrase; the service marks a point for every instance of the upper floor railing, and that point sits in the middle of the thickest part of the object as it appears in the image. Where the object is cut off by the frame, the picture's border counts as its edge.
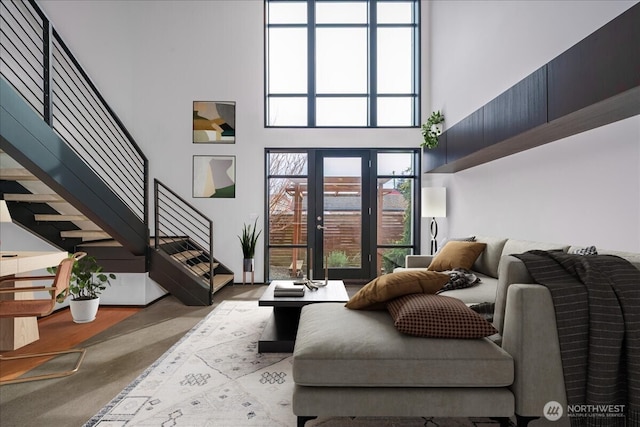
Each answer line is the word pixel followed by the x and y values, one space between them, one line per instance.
pixel 38 64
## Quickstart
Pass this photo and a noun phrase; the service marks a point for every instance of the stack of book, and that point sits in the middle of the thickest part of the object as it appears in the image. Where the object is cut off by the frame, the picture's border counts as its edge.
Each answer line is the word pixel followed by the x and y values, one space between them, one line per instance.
pixel 288 290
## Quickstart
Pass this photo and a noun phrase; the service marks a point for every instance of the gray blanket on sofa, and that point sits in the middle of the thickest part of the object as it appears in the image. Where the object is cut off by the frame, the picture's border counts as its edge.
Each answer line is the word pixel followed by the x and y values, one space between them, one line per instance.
pixel 597 304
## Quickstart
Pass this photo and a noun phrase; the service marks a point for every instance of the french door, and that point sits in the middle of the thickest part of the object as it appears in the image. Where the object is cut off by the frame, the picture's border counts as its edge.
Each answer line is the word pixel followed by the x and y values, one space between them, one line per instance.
pixel 338 213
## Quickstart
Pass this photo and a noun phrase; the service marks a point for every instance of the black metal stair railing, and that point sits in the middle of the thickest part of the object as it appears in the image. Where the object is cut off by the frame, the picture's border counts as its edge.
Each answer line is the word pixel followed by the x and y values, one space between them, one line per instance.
pixel 58 126
pixel 40 67
pixel 183 232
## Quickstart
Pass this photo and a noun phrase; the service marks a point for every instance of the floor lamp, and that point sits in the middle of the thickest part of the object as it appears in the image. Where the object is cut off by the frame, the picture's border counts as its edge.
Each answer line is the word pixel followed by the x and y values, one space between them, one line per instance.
pixel 434 204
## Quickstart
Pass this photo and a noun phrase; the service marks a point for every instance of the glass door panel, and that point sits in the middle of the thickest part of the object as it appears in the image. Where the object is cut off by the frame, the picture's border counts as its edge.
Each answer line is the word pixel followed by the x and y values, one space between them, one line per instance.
pixel 287 234
pixel 342 251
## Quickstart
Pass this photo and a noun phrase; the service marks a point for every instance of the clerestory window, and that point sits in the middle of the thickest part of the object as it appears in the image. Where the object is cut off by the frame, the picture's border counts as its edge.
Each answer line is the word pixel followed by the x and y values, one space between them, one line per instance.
pixel 335 63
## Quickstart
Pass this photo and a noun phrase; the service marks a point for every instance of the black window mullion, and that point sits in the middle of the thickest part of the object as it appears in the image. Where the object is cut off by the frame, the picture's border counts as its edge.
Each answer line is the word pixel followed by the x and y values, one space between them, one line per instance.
pixel 373 70
pixel 311 63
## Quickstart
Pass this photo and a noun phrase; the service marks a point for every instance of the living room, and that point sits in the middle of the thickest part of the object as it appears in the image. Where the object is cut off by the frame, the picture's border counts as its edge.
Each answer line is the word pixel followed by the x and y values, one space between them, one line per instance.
pixel 151 60
pixel 141 70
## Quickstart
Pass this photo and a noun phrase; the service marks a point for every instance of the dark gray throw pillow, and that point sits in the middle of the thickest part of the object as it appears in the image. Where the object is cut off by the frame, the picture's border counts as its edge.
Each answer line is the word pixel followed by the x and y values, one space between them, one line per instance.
pixel 459 278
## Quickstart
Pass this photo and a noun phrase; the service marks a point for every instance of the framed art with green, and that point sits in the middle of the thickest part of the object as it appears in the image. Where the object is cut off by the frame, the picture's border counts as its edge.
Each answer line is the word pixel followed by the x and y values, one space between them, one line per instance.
pixel 214 177
pixel 214 122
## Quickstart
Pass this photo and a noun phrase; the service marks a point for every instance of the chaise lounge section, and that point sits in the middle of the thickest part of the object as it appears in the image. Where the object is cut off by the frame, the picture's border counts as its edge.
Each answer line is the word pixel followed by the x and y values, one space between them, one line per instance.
pixel 356 362
pixel 369 369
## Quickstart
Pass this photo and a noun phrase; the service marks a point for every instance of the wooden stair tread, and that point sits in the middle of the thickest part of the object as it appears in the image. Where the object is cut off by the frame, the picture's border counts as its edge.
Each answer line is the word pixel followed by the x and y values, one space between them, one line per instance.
pixel 103 244
pixel 186 255
pixel 17 174
pixel 220 280
pixel 59 217
pixel 33 198
pixel 164 240
pixel 85 234
pixel 201 268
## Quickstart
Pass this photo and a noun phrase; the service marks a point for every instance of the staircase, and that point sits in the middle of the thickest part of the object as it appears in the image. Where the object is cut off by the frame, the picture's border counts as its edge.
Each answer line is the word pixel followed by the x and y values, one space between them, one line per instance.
pixel 182 246
pixel 73 175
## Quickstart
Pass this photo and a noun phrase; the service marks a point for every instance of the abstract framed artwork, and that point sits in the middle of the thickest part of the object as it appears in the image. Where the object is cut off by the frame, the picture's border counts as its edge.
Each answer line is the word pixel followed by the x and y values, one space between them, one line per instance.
pixel 214 122
pixel 214 177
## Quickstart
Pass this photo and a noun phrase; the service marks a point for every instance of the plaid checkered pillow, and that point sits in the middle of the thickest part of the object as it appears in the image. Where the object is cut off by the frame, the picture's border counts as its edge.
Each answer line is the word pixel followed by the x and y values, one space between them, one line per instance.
pixel 437 316
pixel 589 250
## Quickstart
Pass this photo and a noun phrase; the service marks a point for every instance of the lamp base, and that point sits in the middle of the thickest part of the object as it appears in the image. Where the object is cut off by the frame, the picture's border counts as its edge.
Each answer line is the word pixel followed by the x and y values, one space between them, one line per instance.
pixel 433 228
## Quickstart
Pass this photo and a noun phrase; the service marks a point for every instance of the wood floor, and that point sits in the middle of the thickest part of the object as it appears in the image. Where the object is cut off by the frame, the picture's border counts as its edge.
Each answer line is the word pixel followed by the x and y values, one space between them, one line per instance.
pixel 58 332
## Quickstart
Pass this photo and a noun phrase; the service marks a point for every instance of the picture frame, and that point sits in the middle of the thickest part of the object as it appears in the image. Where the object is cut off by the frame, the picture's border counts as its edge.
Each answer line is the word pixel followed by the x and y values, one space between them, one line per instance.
pixel 214 122
pixel 214 177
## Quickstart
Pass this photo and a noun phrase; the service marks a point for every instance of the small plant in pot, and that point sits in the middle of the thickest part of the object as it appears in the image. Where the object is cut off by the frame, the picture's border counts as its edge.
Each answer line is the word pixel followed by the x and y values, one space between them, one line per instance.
pixel 248 241
pixel 86 284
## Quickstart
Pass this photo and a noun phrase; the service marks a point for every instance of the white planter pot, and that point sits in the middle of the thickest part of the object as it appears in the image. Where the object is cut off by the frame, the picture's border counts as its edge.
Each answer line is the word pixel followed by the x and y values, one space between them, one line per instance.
pixel 84 311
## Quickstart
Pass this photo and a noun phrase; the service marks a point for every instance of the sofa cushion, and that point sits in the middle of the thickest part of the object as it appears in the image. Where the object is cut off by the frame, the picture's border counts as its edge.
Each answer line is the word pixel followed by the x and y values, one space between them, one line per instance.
pixel 374 294
pixel 514 246
pixel 485 291
pixel 339 347
pixel 437 316
pixel 632 257
pixel 487 262
pixel 456 254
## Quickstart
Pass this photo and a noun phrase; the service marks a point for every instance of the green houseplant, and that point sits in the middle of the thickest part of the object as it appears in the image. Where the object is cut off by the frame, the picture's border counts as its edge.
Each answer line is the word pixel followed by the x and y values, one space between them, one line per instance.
pixel 86 284
pixel 248 241
pixel 432 129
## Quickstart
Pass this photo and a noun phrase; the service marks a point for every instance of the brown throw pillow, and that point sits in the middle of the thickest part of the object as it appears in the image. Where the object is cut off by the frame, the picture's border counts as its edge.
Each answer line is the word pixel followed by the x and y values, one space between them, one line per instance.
pixel 437 316
pixel 374 294
pixel 457 255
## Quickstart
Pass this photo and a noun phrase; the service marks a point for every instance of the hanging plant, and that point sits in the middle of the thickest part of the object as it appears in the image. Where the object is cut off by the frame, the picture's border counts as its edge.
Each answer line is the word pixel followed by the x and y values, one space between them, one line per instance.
pixel 432 129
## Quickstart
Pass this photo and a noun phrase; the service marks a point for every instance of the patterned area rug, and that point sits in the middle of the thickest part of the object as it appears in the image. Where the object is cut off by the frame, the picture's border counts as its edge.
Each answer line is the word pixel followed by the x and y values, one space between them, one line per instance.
pixel 214 376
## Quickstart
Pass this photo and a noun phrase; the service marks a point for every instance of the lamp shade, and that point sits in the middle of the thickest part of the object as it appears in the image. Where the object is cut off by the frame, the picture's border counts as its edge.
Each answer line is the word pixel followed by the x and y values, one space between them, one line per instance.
pixel 434 202
pixel 5 216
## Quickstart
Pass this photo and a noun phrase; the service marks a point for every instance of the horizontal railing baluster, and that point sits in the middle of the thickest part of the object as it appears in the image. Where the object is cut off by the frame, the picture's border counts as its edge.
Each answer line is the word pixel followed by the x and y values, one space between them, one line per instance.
pixel 175 217
pixel 80 114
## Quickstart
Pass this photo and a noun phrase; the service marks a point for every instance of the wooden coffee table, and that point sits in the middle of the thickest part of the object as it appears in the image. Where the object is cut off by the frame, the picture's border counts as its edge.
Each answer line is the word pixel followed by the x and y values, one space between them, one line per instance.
pixel 279 335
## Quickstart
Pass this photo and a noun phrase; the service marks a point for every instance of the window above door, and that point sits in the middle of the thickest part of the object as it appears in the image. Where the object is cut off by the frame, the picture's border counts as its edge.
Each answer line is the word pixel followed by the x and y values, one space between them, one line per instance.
pixel 335 63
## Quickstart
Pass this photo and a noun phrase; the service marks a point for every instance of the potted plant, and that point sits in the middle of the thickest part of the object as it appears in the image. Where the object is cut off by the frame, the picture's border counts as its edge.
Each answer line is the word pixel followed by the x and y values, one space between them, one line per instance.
pixel 86 284
pixel 248 242
pixel 432 129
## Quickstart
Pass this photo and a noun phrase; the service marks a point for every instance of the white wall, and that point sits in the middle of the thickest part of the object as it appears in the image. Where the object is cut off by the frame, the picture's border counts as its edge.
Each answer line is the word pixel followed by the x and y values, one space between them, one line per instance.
pixel 581 190
pixel 151 59
pixel 125 289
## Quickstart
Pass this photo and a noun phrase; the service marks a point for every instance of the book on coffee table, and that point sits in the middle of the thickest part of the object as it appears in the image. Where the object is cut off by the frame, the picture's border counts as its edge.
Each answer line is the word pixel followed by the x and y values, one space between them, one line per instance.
pixel 288 290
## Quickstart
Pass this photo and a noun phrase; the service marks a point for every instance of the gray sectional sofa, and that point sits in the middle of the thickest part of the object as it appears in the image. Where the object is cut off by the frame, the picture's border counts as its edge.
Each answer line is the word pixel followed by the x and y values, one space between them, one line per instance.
pixel 485 267
pixel 355 363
